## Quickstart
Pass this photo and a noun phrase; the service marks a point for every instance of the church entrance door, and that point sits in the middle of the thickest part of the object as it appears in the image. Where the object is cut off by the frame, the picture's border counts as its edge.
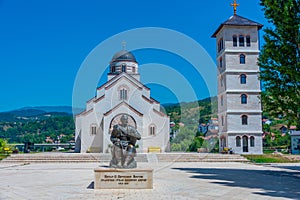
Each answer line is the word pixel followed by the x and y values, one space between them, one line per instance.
pixel 245 143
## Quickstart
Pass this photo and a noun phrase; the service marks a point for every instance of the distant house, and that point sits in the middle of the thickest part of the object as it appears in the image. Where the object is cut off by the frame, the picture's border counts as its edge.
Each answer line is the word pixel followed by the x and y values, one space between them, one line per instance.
pixel 181 124
pixel 49 139
pixel 172 124
pixel 267 121
pixel 202 128
pixel 213 124
pixel 283 129
pixel 295 142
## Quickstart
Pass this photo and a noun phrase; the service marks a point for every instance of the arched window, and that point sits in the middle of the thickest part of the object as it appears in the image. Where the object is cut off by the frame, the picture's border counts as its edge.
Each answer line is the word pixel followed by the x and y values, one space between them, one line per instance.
pixel 222 81
pixel 252 139
pixel 243 79
pixel 123 94
pixel 220 45
pixel 241 41
pixel 222 120
pixel 248 43
pixel 238 141
pixel 93 130
pixel 123 67
pixel 221 62
pixel 222 101
pixel 234 40
pixel 133 69
pixel 243 99
pixel 152 129
pixel 242 59
pixel 244 119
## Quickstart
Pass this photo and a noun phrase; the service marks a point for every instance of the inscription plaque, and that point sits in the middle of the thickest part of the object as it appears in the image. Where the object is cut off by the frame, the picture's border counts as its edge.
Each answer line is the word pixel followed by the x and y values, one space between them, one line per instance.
pixel 123 178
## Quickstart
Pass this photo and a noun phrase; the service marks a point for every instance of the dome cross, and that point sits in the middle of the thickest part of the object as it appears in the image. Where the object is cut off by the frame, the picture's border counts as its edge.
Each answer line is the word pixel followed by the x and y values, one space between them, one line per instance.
pixel 234 5
pixel 124 45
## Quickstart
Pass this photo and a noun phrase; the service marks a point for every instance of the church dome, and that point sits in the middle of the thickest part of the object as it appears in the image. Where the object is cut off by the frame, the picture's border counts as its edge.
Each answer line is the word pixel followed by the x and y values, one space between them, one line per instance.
pixel 123 55
pixel 123 61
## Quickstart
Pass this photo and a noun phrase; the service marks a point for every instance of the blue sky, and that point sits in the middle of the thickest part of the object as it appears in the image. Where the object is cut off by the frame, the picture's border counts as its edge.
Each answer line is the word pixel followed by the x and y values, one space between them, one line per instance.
pixel 44 43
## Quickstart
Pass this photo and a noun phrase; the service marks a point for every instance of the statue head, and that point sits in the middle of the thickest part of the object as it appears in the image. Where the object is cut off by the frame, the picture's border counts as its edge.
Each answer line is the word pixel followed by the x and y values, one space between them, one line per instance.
pixel 124 119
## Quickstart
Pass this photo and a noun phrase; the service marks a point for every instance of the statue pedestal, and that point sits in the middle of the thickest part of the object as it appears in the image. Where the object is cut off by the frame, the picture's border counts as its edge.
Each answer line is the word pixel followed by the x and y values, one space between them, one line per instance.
pixel 113 178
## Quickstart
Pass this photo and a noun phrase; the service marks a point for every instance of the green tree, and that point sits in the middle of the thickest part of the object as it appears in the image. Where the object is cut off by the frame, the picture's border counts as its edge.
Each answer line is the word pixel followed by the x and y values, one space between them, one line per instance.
pixel 280 60
pixel 183 139
pixel 4 145
pixel 196 143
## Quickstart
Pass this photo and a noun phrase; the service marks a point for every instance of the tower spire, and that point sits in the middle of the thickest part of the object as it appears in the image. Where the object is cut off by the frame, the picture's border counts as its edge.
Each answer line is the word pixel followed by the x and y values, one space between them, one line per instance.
pixel 234 5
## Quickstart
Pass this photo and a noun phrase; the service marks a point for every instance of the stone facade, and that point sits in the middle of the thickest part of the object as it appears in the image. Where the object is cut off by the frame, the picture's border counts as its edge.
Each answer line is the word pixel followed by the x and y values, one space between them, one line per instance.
pixel 123 93
pixel 239 106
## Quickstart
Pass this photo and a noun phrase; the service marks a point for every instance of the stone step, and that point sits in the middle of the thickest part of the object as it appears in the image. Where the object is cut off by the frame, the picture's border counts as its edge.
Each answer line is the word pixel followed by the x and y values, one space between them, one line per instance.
pixel 57 157
pixel 200 157
pixel 142 157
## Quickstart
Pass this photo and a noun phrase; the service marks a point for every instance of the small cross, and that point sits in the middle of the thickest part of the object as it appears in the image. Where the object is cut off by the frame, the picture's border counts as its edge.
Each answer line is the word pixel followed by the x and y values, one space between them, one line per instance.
pixel 124 45
pixel 234 4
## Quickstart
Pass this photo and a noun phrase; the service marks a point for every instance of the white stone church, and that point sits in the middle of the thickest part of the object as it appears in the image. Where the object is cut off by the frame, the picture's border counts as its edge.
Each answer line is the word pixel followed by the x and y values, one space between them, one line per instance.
pixel 123 93
pixel 239 103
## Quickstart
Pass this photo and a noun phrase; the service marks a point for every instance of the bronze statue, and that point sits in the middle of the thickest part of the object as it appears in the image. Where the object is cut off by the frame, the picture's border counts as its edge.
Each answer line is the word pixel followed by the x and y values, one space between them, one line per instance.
pixel 124 138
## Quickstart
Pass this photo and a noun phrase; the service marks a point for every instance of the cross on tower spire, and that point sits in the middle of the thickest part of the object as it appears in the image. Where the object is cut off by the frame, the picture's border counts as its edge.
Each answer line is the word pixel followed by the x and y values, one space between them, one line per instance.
pixel 234 5
pixel 124 45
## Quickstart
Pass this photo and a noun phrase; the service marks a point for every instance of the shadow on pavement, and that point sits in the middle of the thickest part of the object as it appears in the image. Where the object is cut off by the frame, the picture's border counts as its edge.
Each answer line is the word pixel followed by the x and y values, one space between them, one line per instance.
pixel 273 183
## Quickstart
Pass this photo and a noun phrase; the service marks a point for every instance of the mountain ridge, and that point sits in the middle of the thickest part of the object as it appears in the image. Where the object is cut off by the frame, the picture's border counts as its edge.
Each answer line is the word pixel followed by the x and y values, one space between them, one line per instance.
pixel 37 112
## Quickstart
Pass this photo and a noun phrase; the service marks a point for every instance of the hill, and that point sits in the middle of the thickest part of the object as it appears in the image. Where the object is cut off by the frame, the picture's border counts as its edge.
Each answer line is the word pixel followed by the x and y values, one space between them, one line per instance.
pixel 47 124
pixel 192 112
pixel 35 113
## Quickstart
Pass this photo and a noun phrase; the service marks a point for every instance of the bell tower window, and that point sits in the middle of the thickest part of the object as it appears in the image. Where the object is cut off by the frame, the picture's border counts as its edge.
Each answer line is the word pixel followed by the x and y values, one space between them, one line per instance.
pixel 248 43
pixel 234 40
pixel 243 99
pixel 244 119
pixel 242 59
pixel 241 41
pixel 243 79
pixel 221 62
pixel 220 45
pixel 222 100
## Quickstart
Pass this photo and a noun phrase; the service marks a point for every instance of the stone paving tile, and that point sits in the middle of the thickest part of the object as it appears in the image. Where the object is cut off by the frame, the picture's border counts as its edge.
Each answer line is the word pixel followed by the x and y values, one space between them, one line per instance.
pixel 171 181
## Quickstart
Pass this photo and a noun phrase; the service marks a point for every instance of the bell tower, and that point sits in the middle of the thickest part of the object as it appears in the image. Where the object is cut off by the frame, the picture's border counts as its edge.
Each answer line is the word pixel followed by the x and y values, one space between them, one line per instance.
pixel 239 104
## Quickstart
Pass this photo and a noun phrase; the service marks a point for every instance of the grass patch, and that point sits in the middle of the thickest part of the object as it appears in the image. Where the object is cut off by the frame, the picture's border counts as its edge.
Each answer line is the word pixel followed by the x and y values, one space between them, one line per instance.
pixel 269 158
pixel 2 156
pixel 268 151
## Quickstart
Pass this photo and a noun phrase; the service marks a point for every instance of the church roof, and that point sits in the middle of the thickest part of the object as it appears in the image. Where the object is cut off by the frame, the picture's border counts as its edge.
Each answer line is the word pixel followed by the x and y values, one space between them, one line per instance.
pixel 237 20
pixel 114 80
pixel 123 55
pixel 123 104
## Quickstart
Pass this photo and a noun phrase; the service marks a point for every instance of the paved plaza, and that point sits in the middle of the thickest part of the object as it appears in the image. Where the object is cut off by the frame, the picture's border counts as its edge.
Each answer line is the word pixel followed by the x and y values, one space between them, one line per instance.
pixel 178 180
